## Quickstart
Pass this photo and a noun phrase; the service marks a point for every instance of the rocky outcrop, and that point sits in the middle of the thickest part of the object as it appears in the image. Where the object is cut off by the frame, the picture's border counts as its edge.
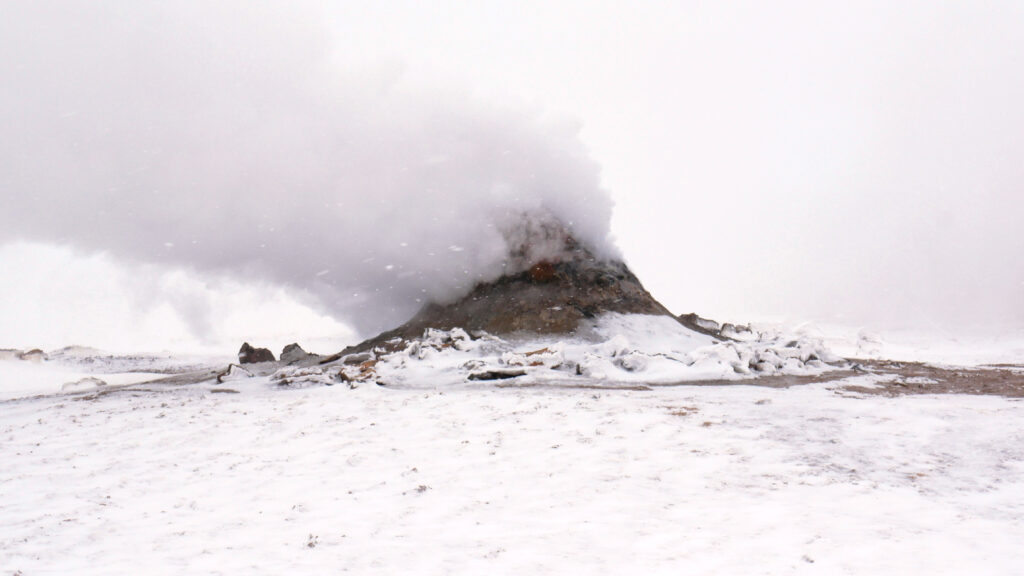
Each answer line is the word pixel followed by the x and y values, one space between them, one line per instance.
pixel 702 325
pixel 234 372
pixel 249 355
pixel 293 353
pixel 546 297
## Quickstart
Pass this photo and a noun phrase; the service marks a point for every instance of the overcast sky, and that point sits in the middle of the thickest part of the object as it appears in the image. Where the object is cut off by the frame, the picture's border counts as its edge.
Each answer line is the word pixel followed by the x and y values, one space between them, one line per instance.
pixel 858 163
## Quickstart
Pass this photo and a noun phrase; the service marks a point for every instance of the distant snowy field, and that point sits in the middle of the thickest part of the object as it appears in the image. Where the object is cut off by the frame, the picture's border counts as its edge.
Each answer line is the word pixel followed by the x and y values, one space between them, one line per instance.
pixel 476 479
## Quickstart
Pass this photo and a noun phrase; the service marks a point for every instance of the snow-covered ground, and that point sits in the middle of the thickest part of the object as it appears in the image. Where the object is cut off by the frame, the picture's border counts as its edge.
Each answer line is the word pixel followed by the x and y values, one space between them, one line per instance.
pixel 77 368
pixel 250 476
pixel 939 346
pixel 21 379
pixel 733 479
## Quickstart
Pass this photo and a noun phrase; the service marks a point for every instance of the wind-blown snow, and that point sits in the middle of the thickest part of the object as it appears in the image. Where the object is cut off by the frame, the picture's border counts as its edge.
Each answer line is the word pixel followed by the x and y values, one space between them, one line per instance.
pixel 682 480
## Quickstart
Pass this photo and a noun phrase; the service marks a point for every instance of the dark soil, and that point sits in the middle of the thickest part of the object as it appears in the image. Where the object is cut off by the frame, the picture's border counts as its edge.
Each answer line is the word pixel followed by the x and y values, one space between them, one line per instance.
pixel 917 378
pixel 907 378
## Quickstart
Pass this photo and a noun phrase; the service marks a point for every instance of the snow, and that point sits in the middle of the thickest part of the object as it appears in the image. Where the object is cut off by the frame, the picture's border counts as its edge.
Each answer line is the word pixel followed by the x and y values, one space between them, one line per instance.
pixel 291 470
pixel 961 348
pixel 682 480
pixel 612 349
pixel 19 378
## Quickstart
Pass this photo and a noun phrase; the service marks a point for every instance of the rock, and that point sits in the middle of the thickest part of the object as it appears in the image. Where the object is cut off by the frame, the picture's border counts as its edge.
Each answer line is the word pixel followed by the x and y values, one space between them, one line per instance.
pixel 36 355
pixel 355 359
pixel 293 353
pixel 737 332
pixel 543 271
pixel 497 374
pixel 234 372
pixel 88 383
pixel 704 325
pixel 552 284
pixel 249 355
pixel 633 362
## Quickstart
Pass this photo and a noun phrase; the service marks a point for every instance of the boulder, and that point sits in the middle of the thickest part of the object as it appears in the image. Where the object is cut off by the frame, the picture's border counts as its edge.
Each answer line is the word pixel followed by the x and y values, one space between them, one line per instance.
pixel 249 355
pixel 497 374
pixel 234 372
pixel 293 353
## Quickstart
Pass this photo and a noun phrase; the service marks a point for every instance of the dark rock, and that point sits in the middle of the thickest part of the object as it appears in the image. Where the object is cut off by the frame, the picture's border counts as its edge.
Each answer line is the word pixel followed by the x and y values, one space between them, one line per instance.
pixel 293 353
pixel 543 271
pixel 497 374
pixel 703 325
pixel 249 355
pixel 542 292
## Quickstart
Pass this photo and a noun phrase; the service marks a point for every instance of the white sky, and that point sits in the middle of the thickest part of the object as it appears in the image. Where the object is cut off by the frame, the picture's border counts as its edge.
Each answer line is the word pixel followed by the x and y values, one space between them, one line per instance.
pixel 860 163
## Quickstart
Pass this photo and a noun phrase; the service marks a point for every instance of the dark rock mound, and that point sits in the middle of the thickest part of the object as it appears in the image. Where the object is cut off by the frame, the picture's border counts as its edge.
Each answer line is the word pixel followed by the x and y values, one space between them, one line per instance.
pixel 550 295
pixel 249 355
pixel 725 331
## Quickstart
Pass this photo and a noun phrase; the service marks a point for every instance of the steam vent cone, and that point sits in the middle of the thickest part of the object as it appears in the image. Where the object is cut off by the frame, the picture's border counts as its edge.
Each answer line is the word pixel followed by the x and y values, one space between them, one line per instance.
pixel 548 291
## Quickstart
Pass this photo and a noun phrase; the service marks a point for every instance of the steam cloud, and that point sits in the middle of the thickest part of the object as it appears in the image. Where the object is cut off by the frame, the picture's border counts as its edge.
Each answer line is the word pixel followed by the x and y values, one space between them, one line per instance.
pixel 231 139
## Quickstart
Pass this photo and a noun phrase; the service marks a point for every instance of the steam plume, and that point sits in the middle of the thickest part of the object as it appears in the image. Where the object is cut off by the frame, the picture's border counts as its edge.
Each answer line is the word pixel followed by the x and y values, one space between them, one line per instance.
pixel 230 139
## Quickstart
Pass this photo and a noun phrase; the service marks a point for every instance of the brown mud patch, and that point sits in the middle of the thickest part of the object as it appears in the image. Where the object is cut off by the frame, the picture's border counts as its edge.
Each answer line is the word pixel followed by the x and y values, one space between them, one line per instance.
pixel 901 379
pixel 916 378
pixel 895 379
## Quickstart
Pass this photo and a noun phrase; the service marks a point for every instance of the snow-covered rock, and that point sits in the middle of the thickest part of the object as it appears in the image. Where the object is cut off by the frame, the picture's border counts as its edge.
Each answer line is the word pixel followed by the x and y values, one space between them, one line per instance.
pixel 234 372
pixel 87 383
pixel 612 348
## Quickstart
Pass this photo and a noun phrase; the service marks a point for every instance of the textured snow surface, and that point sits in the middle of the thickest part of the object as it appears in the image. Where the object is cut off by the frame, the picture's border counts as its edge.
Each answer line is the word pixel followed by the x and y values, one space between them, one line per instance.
pixel 19 379
pixel 611 349
pixel 79 369
pixel 961 348
pixel 681 480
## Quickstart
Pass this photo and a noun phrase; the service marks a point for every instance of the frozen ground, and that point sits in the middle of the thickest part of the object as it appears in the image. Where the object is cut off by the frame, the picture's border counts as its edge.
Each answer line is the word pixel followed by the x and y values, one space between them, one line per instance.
pixel 253 477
